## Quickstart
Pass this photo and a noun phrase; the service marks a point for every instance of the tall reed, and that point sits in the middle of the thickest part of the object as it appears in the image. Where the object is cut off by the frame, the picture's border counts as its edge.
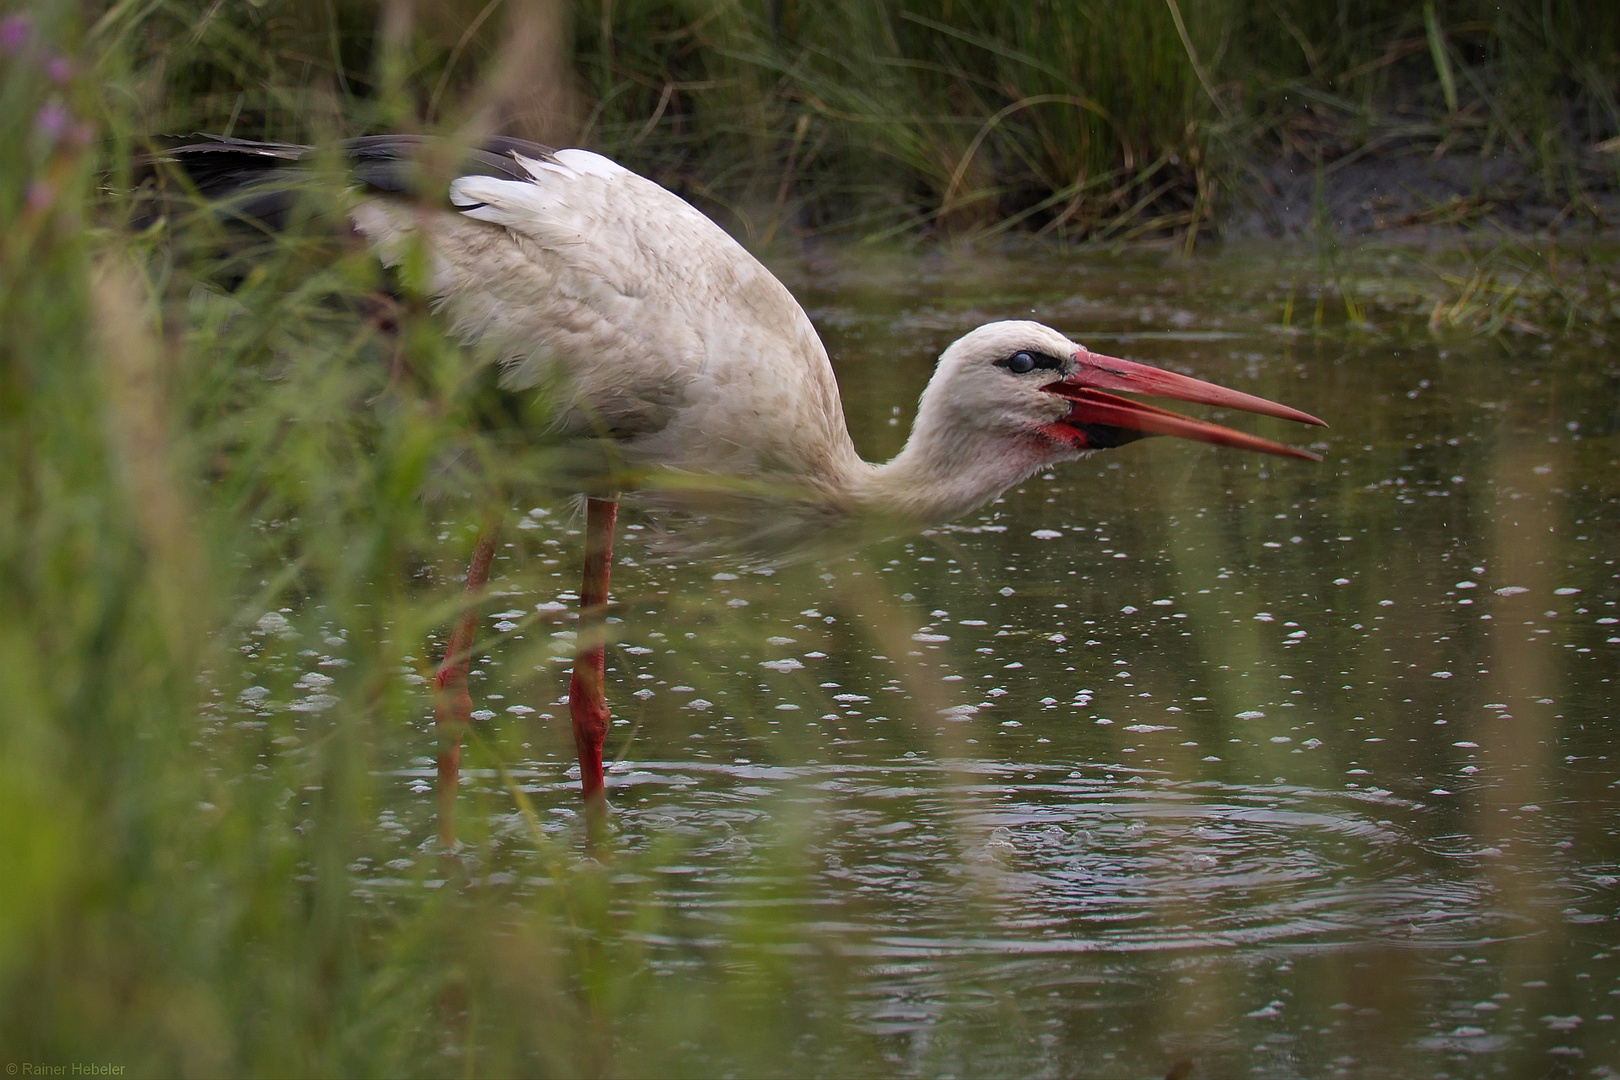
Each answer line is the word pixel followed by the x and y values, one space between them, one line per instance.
pixel 1074 120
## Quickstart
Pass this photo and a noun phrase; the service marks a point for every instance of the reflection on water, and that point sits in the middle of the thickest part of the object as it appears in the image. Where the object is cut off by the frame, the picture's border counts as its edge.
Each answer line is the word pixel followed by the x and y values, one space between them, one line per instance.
pixel 1289 770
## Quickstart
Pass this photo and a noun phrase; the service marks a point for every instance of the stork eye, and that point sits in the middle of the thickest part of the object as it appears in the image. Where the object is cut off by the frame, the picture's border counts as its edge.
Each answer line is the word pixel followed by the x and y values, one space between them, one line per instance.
pixel 1024 361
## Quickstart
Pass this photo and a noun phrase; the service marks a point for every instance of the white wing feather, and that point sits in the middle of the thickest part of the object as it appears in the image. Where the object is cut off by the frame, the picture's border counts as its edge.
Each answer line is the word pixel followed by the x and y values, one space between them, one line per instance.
pixel 673 338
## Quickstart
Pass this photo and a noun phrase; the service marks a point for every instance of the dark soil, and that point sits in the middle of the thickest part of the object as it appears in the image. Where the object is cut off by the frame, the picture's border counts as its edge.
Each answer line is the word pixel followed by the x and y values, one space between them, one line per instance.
pixel 1412 190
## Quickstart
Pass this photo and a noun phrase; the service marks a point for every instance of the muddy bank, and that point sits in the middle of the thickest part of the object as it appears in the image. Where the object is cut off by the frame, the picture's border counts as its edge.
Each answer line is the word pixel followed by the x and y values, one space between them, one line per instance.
pixel 1408 191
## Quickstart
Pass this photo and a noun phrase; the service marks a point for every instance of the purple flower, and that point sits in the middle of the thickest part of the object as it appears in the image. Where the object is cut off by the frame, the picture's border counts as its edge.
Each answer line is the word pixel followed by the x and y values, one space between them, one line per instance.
pixel 14 31
pixel 40 196
pixel 60 70
pixel 51 120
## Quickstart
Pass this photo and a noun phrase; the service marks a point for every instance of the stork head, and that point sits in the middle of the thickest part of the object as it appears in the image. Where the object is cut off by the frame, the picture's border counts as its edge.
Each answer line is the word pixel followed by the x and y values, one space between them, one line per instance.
pixel 1012 397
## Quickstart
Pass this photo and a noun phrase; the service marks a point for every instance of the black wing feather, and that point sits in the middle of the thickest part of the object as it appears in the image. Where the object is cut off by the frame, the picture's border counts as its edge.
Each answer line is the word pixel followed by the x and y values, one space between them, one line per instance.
pixel 254 176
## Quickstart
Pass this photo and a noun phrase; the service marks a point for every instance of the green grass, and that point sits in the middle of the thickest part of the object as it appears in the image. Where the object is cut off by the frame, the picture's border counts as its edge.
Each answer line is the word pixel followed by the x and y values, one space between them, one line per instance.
pixel 178 461
pixel 1082 122
pixel 1075 120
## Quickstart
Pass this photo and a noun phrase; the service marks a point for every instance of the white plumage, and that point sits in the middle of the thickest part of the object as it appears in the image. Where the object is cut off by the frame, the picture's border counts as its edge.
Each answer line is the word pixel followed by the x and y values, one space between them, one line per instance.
pixel 670 336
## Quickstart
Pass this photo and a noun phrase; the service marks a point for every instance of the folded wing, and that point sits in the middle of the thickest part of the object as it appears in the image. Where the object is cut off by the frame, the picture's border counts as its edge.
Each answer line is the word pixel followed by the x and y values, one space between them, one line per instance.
pixel 670 336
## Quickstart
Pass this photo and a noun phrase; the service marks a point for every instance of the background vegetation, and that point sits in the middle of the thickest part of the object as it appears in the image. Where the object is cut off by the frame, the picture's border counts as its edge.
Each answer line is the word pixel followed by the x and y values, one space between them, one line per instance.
pixel 1075 119
pixel 179 463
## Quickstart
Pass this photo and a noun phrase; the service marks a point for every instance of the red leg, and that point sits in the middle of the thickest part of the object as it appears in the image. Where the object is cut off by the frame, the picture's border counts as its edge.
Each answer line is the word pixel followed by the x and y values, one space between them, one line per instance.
pixel 587 702
pixel 452 705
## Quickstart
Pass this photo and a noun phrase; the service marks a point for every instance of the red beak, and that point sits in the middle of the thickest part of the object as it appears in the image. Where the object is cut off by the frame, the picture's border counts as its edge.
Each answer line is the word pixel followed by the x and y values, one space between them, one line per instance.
pixel 1097 420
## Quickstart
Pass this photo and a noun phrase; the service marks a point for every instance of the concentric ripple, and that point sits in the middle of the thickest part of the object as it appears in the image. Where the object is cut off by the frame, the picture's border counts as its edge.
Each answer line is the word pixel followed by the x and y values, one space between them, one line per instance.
pixel 1015 859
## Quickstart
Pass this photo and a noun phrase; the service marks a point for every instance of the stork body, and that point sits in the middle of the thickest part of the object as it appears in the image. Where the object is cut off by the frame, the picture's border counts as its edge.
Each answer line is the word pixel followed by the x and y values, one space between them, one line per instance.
pixel 675 344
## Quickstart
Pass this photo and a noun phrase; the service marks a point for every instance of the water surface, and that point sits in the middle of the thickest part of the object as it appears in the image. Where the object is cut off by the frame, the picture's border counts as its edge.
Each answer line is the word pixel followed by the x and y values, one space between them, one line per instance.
pixel 1175 753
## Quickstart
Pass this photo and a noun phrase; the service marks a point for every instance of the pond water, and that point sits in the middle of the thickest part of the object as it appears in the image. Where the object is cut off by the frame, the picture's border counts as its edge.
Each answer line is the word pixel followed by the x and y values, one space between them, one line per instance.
pixel 1173 754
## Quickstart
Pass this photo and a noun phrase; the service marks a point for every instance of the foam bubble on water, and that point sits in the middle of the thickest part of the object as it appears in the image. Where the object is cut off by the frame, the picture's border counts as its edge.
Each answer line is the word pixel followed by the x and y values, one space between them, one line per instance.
pixel 274 623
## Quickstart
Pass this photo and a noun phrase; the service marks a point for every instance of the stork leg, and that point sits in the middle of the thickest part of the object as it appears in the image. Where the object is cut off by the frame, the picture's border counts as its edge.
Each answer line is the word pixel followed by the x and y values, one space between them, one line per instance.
pixel 452 705
pixel 587 701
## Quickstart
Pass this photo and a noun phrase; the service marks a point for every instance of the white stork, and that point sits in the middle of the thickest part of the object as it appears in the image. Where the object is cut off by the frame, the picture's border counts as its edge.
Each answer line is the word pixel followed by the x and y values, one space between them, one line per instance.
pixel 679 345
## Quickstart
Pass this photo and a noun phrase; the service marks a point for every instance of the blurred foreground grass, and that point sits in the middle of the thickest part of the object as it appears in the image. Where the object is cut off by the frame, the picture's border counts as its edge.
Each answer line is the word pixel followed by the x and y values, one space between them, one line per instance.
pixel 182 461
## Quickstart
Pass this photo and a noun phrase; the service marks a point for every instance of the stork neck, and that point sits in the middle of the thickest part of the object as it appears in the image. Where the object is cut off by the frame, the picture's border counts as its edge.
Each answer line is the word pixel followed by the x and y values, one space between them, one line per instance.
pixel 935 479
